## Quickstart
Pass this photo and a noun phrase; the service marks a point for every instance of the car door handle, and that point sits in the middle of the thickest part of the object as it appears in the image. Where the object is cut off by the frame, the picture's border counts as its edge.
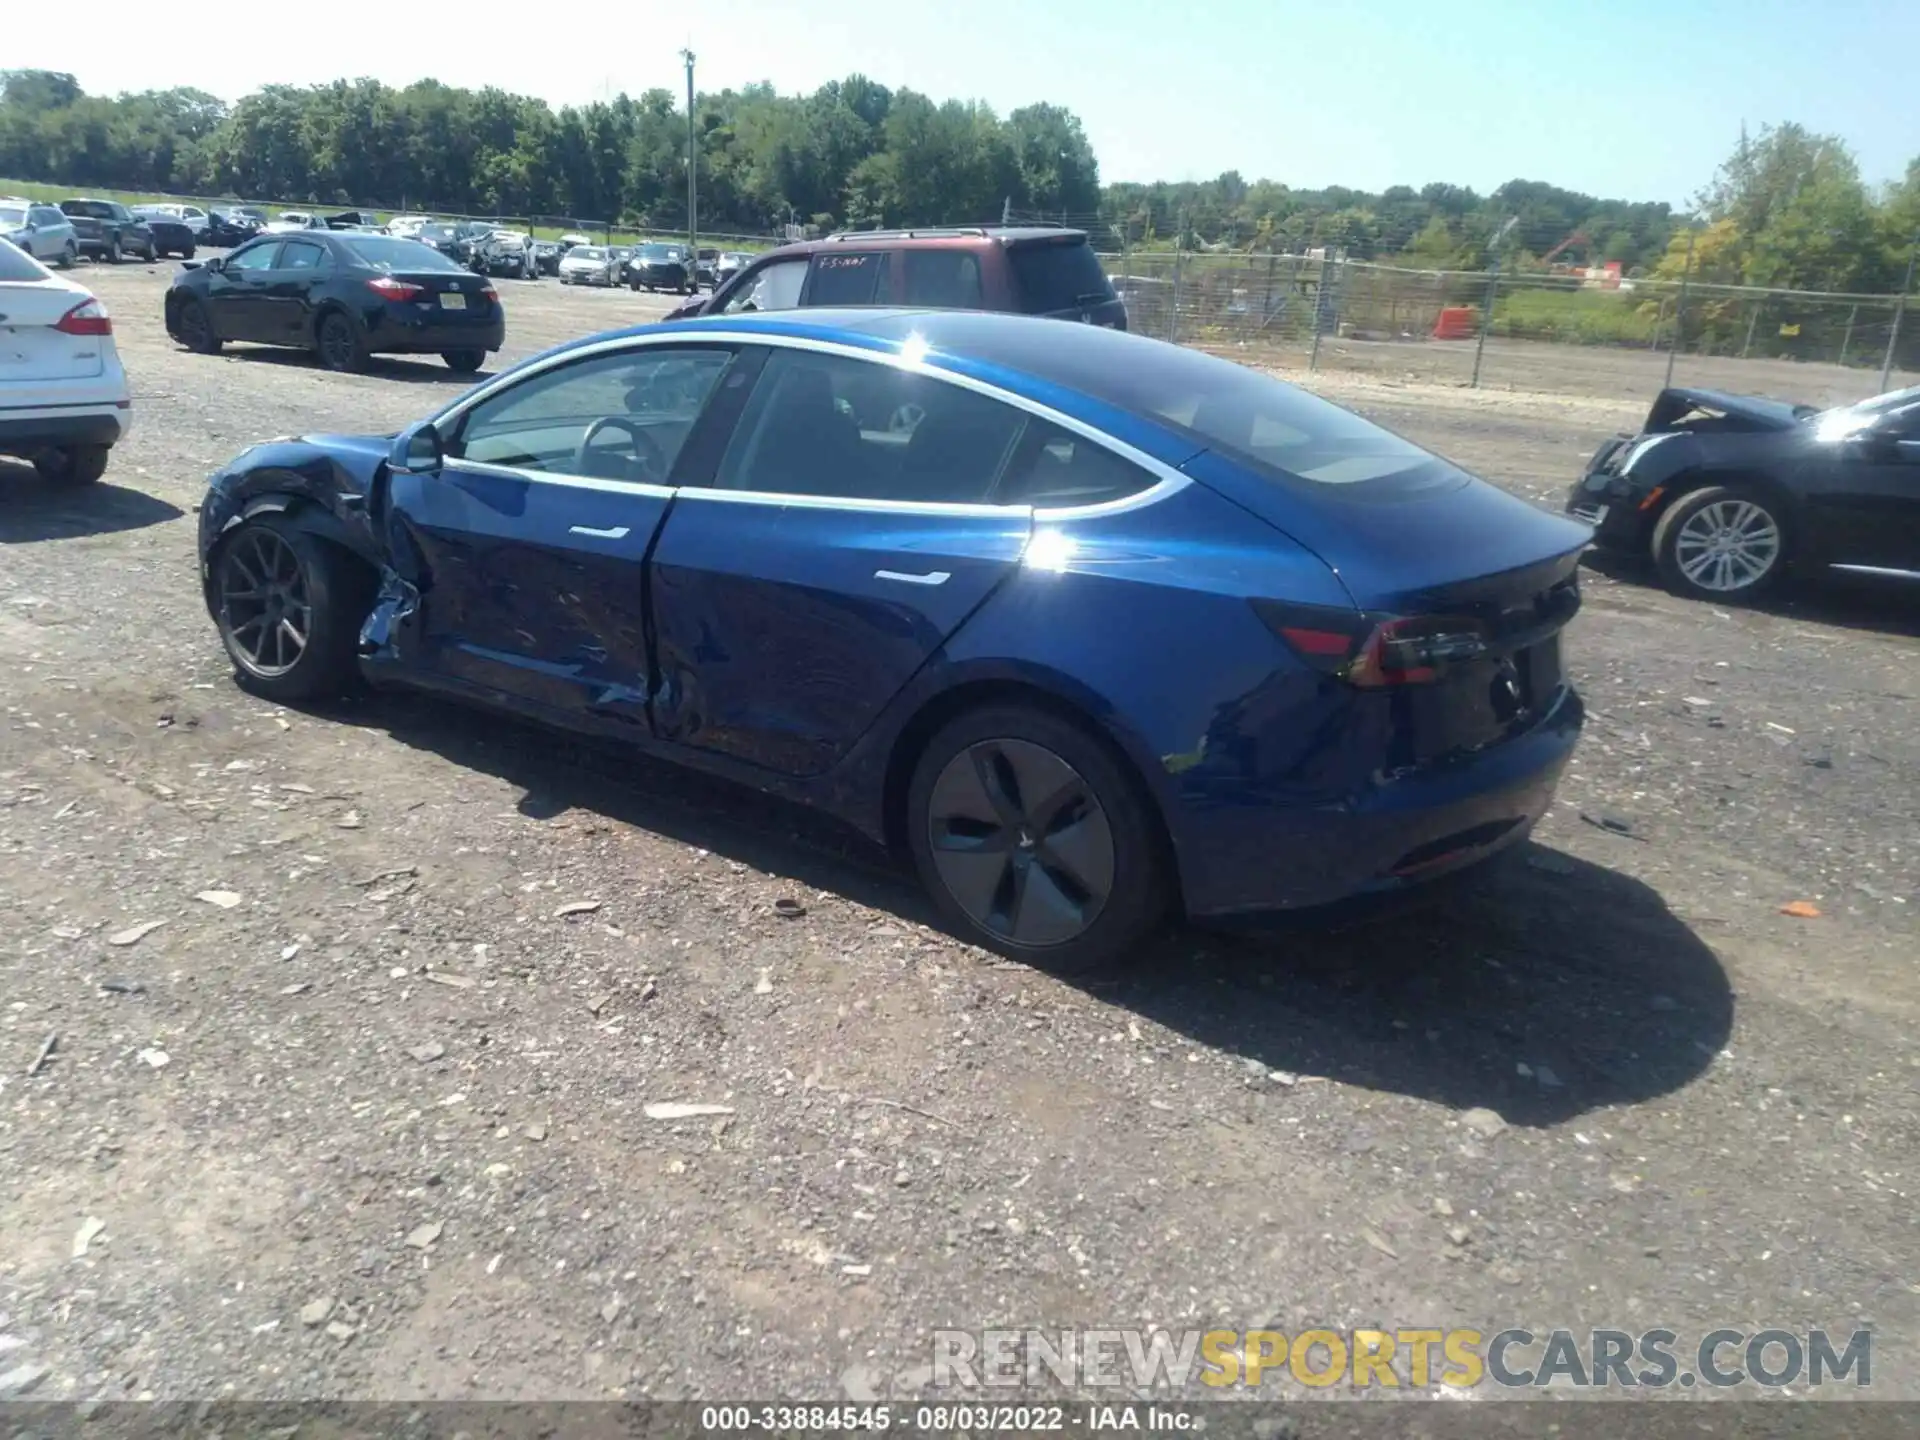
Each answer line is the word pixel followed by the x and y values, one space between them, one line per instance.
pixel 932 577
pixel 612 532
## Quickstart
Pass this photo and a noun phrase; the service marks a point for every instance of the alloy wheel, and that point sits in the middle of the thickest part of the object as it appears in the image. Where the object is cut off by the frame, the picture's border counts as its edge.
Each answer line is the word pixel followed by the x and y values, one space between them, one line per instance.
pixel 336 343
pixel 1021 842
pixel 265 606
pixel 1728 545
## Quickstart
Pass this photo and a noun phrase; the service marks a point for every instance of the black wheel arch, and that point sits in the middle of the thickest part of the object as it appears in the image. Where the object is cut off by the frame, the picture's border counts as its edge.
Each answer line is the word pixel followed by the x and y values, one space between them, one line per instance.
pixel 912 739
pixel 305 513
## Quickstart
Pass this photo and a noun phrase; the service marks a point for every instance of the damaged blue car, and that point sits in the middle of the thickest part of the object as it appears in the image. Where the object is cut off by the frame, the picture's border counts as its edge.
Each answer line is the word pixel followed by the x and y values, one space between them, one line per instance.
pixel 1094 628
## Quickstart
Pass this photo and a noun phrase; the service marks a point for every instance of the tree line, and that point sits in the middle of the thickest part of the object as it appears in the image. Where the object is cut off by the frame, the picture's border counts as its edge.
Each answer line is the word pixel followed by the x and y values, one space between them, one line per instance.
pixel 1788 208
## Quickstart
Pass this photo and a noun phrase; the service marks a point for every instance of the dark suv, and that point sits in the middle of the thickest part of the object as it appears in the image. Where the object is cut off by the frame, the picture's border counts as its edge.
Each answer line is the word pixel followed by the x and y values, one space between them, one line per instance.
pixel 1032 270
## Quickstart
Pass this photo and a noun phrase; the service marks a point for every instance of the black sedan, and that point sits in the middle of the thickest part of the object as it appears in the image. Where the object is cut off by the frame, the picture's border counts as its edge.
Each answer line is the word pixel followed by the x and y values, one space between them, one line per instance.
pixel 1730 493
pixel 343 295
pixel 228 228
pixel 661 267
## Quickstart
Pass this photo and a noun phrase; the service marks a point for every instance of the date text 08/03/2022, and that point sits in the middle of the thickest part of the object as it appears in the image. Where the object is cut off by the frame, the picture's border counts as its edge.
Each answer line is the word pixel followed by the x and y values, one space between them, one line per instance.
pixel 943 1419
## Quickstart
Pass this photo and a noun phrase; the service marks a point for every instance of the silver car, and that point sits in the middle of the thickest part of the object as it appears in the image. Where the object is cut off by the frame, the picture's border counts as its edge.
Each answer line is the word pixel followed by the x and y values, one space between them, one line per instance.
pixel 589 265
pixel 40 230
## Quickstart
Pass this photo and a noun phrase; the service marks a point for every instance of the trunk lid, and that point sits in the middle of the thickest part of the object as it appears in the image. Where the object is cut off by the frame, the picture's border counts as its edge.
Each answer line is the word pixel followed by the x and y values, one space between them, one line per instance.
pixel 32 351
pixel 1457 561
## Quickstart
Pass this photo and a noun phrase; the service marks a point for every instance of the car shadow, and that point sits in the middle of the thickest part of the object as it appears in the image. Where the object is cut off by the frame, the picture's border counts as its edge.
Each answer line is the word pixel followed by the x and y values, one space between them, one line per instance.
pixel 1580 974
pixel 426 370
pixel 1886 608
pixel 32 509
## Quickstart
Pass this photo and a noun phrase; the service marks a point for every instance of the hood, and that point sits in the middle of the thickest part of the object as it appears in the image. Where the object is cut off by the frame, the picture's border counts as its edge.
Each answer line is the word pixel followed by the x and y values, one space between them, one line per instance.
pixel 1740 412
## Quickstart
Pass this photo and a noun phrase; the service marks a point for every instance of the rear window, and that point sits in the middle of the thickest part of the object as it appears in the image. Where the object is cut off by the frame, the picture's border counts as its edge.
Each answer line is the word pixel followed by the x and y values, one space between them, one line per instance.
pixel 1059 275
pixel 12 215
pixel 89 209
pixel 1263 423
pixel 389 253
pixel 16 266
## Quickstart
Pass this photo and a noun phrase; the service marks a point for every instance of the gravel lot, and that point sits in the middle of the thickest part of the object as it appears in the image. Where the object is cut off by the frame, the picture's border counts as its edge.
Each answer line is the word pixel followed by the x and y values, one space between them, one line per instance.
pixel 358 1013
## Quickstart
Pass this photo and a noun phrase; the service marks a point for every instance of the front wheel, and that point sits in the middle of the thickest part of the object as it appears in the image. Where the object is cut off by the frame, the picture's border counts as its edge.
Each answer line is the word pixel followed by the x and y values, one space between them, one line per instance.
pixel 464 361
pixel 1034 839
pixel 194 325
pixel 1717 543
pixel 338 344
pixel 72 464
pixel 288 608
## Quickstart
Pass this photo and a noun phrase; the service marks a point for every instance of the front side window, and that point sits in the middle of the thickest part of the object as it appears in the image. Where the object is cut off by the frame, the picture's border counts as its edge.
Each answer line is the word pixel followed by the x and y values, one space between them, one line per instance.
pixel 856 279
pixel 623 416
pixel 777 287
pixel 855 429
pixel 254 257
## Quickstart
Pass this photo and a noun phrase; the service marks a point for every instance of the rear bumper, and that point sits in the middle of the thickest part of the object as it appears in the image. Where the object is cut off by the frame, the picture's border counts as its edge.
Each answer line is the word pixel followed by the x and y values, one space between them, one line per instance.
pixel 409 329
pixel 27 432
pixel 1396 836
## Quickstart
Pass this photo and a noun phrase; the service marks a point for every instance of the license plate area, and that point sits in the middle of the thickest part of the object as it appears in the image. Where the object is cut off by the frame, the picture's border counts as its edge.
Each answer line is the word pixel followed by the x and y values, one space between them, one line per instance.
pixel 452 300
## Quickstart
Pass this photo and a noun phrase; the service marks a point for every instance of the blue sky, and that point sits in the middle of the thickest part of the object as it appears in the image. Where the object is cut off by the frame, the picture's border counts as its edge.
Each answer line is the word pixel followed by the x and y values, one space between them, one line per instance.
pixel 1630 98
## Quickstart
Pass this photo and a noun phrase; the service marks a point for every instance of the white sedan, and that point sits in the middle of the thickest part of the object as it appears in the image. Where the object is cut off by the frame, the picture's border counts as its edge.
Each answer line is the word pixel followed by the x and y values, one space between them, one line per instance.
pixel 589 265
pixel 63 393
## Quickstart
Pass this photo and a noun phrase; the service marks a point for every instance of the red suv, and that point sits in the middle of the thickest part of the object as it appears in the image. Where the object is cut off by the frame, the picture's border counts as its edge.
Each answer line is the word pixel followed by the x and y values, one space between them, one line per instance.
pixel 1031 270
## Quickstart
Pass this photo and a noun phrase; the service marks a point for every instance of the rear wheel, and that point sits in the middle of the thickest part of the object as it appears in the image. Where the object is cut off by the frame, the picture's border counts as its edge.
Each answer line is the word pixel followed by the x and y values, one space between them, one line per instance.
pixel 113 250
pixel 1717 543
pixel 288 608
pixel 72 464
pixel 338 344
pixel 187 254
pixel 464 361
pixel 70 256
pixel 195 328
pixel 1035 840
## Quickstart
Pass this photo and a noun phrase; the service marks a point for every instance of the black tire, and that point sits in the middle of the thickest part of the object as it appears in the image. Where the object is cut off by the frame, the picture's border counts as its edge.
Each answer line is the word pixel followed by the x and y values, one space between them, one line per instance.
pixel 187 254
pixel 336 340
pixel 69 257
pixel 114 254
pixel 1687 533
pixel 464 361
pixel 1135 869
pixel 72 464
pixel 194 325
pixel 334 594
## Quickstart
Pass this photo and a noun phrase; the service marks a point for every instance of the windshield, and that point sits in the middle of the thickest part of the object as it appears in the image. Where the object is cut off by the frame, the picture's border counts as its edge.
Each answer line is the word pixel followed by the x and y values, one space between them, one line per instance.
pixel 586 252
pixel 12 215
pixel 659 252
pixel 389 253
pixel 435 232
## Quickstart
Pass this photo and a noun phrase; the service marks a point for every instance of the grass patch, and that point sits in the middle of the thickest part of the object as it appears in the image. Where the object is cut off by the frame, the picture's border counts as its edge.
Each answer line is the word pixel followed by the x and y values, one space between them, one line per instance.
pixel 1574 317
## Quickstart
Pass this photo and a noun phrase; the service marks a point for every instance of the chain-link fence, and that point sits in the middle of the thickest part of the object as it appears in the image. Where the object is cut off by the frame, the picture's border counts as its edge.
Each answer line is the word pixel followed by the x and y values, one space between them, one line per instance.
pixel 1599 335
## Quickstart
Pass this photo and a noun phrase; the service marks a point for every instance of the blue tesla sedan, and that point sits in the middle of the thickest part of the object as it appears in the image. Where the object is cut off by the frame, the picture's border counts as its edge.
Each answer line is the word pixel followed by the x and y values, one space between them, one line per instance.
pixel 1093 627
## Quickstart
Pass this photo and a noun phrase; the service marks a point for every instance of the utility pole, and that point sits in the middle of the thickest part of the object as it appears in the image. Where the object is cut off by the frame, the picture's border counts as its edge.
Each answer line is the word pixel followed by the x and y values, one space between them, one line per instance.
pixel 693 157
pixel 1899 310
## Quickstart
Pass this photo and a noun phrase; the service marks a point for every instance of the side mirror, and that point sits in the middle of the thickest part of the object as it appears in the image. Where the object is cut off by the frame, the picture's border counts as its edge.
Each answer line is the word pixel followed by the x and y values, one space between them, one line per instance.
pixel 215 264
pixel 417 450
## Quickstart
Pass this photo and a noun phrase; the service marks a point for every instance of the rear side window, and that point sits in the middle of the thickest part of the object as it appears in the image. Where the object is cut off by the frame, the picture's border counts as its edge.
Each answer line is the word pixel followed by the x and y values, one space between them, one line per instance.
pixel 1055 467
pixel 943 279
pixel 299 255
pixel 858 279
pixel 774 287
pixel 1058 275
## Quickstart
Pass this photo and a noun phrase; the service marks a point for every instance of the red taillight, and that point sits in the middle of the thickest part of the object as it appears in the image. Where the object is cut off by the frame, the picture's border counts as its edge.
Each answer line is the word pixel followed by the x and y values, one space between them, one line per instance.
pixel 487 292
pixel 388 288
pixel 89 317
pixel 1373 651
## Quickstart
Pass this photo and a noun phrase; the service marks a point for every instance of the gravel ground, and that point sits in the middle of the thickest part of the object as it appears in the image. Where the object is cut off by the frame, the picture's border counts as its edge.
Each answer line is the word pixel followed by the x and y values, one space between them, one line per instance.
pixel 358 1014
